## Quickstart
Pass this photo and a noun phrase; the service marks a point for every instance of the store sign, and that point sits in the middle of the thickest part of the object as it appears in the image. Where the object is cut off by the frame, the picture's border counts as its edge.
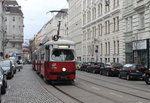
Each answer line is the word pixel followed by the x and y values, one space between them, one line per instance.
pixel 139 45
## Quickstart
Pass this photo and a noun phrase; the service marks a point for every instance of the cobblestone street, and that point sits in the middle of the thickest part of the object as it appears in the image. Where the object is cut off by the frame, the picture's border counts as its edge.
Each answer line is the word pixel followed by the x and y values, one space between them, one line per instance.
pixel 24 87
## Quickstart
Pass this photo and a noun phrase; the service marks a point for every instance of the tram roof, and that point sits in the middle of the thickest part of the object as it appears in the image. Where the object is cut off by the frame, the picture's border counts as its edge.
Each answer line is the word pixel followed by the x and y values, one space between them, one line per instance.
pixel 66 42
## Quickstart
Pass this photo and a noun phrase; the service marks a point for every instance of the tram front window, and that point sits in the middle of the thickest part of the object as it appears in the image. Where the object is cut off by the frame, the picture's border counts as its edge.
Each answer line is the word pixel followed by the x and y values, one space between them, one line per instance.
pixel 62 55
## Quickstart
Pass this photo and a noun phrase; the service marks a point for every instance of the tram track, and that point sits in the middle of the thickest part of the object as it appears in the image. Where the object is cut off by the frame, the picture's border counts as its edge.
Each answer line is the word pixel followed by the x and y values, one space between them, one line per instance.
pixel 118 84
pixel 79 101
pixel 134 95
pixel 58 89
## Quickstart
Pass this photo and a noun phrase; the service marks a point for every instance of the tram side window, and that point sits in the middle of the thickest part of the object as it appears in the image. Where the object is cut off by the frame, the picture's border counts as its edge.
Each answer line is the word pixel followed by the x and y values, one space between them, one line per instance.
pixel 62 55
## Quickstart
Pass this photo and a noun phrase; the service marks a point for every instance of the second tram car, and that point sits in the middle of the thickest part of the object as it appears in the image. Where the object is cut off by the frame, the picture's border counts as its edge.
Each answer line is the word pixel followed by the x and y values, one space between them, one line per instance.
pixel 56 60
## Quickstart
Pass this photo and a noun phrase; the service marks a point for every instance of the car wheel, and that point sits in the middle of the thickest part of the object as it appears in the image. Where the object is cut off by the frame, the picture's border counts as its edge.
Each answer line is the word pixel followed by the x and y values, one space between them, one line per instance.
pixel 119 76
pixel 3 90
pixel 128 77
pixel 147 80
pixel 107 73
pixel 100 73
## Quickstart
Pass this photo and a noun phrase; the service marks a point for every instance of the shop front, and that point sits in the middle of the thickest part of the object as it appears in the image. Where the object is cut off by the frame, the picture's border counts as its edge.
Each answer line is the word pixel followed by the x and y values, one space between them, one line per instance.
pixel 141 52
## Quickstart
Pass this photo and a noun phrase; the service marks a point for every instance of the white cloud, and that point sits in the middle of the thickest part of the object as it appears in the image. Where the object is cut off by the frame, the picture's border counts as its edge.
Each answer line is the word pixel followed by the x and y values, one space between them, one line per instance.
pixel 35 13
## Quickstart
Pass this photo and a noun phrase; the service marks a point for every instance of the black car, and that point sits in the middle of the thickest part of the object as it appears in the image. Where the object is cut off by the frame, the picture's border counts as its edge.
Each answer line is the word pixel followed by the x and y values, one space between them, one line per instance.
pixel 111 69
pixel 3 81
pixel 95 67
pixel 8 68
pixel 130 71
pixel 85 65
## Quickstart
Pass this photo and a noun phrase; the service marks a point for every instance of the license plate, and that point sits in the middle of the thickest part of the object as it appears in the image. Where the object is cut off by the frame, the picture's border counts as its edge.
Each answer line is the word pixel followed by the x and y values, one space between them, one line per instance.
pixel 63 77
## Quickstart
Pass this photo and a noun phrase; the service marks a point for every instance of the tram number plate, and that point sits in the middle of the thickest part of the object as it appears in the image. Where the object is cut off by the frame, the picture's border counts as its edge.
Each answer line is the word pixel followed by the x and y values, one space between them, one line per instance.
pixel 63 77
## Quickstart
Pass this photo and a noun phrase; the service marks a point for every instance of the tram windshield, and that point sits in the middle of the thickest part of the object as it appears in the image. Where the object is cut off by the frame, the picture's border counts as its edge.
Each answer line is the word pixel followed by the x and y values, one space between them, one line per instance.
pixel 62 55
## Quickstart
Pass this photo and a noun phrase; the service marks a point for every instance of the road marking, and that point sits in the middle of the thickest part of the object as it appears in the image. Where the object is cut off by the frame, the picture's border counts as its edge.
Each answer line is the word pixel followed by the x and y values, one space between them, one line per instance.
pixel 116 95
pixel 95 88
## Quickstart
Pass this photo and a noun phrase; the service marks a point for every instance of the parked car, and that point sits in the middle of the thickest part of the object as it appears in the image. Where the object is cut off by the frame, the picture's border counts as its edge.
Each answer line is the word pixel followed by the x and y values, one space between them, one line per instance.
pixel 14 66
pixel 3 81
pixel 95 67
pixel 130 71
pixel 7 66
pixel 111 69
pixel 85 65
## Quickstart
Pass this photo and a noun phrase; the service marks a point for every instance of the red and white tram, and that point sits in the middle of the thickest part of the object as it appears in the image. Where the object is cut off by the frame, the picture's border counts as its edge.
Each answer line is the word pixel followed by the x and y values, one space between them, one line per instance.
pixel 56 60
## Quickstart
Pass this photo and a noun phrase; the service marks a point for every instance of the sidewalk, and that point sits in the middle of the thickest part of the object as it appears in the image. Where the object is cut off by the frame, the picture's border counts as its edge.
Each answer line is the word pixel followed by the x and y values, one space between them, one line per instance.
pixel 25 88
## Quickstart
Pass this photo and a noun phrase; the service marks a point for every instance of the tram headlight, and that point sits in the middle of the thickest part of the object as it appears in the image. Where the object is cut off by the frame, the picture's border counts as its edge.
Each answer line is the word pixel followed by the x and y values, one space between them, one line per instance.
pixel 64 69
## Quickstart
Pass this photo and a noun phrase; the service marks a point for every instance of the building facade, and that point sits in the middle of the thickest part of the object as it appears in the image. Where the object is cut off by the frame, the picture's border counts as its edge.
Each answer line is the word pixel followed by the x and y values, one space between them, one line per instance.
pixel 50 29
pixel 13 19
pixel 75 25
pixel 102 26
pixel 136 14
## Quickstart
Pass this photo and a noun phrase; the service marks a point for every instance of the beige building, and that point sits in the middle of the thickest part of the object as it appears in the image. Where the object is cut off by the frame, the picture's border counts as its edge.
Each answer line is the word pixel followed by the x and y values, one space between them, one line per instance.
pixel 136 15
pixel 75 25
pixel 102 25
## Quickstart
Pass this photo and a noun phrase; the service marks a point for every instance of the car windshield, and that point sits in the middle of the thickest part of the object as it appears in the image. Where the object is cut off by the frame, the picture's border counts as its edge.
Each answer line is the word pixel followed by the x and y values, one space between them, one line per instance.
pixel 5 63
pixel 62 55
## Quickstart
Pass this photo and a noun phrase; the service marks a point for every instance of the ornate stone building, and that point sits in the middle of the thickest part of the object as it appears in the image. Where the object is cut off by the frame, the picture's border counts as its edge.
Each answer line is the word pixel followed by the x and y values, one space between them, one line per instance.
pixel 102 25
pixel 75 25
pixel 13 19
pixel 136 15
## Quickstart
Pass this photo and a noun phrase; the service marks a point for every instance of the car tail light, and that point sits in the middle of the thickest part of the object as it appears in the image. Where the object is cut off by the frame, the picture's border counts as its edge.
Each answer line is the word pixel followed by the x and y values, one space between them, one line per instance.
pixel 131 70
pixel 113 68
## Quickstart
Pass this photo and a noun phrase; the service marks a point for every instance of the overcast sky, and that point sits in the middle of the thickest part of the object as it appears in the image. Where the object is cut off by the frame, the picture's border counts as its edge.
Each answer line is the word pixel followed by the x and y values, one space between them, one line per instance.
pixel 35 14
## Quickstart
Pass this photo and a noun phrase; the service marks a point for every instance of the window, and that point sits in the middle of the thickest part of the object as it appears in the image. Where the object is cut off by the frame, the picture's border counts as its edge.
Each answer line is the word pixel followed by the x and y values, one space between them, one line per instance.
pixel 84 19
pixel 118 47
pixel 114 47
pixel 94 13
pixel 84 35
pixel 94 31
pixel 62 55
pixel 84 4
pixel 116 3
pixel 114 60
pixel 100 29
pixel 5 18
pixel 141 20
pixel 107 27
pixel 116 23
pixel 13 45
pixel 107 5
pixel 101 49
pixel 100 9
pixel 126 22
pixel 13 18
pixel 89 33
pixel 88 16
pixel 109 48
pixel 106 48
pixel 131 24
